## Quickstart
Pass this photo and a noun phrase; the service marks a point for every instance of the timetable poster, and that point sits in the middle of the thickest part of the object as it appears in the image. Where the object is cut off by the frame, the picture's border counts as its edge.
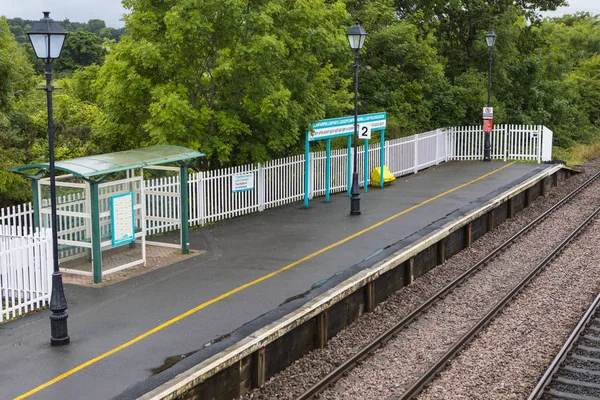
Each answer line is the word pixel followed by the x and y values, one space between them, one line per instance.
pixel 121 212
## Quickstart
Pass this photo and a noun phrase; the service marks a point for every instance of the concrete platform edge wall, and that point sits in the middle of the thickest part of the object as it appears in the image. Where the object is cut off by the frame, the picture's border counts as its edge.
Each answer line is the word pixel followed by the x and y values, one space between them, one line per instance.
pixel 251 361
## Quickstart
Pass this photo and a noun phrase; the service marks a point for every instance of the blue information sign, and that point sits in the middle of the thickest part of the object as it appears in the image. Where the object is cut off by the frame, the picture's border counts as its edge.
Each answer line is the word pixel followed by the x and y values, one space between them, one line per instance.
pixel 121 219
pixel 330 128
pixel 336 127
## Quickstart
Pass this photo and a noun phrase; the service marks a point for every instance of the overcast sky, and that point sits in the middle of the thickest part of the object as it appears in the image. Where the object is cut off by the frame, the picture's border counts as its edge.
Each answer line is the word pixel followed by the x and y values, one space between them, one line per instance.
pixel 111 11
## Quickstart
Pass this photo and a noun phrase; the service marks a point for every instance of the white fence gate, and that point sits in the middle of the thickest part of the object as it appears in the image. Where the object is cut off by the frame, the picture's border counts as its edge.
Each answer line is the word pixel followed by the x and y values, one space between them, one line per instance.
pixel 25 271
pixel 509 142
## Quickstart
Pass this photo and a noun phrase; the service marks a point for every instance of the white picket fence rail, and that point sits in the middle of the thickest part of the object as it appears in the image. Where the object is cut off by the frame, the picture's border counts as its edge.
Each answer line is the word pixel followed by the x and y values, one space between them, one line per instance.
pixel 19 218
pixel 281 181
pixel 509 142
pixel 25 271
pixel 26 258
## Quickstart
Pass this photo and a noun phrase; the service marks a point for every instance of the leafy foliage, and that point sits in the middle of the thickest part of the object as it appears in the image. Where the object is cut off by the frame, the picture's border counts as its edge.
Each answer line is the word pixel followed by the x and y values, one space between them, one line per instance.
pixel 16 79
pixel 241 80
pixel 81 50
pixel 238 79
pixel 23 119
pixel 405 77
pixel 19 28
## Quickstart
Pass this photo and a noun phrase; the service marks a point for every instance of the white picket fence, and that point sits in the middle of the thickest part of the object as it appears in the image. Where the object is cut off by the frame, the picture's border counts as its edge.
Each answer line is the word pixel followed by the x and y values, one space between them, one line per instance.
pixel 509 142
pixel 19 218
pixel 25 271
pixel 281 181
pixel 276 183
pixel 26 259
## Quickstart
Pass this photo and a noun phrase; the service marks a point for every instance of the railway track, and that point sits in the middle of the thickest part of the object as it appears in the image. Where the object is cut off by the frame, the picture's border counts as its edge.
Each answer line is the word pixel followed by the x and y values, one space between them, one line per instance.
pixel 437 366
pixel 575 372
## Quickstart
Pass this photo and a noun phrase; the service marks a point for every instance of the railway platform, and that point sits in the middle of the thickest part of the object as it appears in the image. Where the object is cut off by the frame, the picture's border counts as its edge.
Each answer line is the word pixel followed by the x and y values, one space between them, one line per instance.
pixel 134 336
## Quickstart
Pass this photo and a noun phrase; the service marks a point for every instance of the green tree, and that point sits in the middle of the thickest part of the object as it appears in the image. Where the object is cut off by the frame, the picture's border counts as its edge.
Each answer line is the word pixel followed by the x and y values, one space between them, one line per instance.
pixel 16 80
pixel 240 80
pixel 545 80
pixel 70 26
pixel 405 77
pixel 80 50
pixel 23 118
pixel 111 33
pixel 586 81
pixel 16 73
pixel 18 28
pixel 461 23
pixel 95 26
pixel 77 125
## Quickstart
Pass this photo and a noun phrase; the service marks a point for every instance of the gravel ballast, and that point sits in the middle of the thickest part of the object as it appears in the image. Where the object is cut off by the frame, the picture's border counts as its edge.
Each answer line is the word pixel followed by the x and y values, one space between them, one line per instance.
pixel 419 346
pixel 509 357
pixel 396 366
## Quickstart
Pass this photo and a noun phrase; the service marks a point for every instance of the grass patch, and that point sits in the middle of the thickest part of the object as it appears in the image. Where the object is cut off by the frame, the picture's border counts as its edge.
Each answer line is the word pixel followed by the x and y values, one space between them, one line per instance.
pixel 577 154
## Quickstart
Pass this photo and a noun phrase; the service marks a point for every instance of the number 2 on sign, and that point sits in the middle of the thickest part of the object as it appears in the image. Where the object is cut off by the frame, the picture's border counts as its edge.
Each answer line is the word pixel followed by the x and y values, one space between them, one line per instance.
pixel 364 132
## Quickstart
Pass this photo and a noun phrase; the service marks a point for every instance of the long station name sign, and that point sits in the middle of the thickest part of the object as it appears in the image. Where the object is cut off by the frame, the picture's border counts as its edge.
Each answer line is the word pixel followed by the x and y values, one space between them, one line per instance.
pixel 330 128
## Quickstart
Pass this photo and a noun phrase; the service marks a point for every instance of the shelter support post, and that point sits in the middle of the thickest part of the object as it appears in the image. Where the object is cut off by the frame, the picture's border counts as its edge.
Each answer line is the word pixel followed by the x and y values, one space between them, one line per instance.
pixel 349 168
pixel 381 158
pixel 131 174
pixel 185 225
pixel 96 239
pixel 366 167
pixel 88 221
pixel 143 214
pixel 35 186
pixel 306 165
pixel 328 171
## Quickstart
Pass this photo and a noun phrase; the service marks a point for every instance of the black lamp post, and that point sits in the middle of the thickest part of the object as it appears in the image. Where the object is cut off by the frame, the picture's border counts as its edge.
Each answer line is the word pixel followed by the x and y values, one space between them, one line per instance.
pixel 47 38
pixel 356 36
pixel 490 39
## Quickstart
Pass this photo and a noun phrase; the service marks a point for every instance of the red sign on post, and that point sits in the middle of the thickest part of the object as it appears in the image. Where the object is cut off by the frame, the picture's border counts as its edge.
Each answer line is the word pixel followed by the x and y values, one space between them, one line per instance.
pixel 487 125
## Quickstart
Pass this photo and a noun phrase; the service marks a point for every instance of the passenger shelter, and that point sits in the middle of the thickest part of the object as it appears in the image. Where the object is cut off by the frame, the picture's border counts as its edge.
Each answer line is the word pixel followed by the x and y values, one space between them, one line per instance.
pixel 103 202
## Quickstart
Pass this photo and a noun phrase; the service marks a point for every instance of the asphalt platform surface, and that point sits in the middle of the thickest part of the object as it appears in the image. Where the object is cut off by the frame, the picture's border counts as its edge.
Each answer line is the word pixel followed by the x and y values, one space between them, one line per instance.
pixel 238 251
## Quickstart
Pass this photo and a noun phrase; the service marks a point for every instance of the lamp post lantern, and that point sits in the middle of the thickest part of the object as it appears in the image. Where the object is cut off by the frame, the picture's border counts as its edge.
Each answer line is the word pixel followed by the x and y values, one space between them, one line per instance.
pixel 490 39
pixel 356 37
pixel 47 38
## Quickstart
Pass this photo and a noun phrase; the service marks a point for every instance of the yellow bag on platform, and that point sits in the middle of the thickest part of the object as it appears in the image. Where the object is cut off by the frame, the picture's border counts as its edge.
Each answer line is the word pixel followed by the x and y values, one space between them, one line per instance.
pixel 376 176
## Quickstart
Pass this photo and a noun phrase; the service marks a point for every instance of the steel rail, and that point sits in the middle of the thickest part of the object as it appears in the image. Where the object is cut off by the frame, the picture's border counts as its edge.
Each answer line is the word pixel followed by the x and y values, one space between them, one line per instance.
pixel 379 341
pixel 564 351
pixel 419 385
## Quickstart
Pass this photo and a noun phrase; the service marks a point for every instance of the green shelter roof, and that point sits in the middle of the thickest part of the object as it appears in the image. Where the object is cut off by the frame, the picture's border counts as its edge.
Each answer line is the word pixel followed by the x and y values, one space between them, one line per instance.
pixel 102 164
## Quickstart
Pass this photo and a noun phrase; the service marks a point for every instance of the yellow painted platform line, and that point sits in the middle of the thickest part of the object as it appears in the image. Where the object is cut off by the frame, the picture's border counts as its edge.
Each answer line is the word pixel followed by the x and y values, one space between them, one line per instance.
pixel 244 286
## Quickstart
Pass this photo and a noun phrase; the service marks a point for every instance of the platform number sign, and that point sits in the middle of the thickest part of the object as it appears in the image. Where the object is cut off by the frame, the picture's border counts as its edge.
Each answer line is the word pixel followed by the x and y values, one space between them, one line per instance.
pixel 364 131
